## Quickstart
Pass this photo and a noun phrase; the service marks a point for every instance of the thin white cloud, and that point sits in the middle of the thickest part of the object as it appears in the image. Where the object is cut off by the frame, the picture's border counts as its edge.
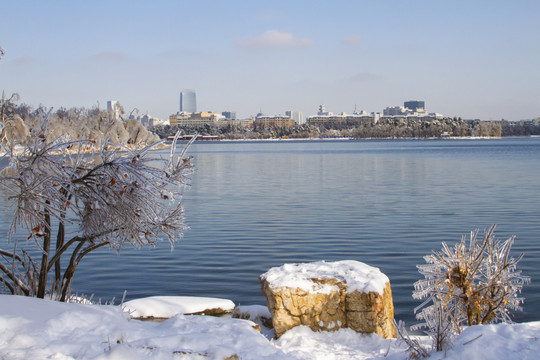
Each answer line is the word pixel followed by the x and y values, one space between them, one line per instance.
pixel 274 40
pixel 352 40
pixel 109 56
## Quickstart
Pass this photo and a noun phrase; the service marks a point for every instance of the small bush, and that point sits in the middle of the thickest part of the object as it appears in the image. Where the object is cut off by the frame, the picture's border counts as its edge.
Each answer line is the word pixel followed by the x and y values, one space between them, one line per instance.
pixel 468 285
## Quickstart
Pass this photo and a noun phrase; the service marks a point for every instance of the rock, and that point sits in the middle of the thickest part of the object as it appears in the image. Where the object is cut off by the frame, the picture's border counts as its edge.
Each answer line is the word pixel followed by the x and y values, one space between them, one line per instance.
pixel 164 307
pixel 329 296
pixel 259 314
pixel 371 312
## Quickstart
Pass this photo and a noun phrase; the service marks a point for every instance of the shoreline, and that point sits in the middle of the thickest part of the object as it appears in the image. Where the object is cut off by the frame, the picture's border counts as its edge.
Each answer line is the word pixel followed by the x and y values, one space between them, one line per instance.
pixel 353 139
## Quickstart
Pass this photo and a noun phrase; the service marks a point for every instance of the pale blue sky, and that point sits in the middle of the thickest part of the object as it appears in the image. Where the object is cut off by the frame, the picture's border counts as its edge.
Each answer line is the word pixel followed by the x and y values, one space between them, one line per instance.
pixel 474 59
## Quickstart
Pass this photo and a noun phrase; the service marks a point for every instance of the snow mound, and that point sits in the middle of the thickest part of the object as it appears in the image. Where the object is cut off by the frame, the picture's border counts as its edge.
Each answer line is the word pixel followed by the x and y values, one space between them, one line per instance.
pixel 302 343
pixel 32 328
pixel 169 306
pixel 355 275
pixel 500 341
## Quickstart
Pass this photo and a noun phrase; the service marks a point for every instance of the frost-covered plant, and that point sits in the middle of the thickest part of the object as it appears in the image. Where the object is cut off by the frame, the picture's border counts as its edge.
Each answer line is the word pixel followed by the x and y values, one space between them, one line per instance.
pixel 468 285
pixel 116 197
pixel 415 349
pixel 439 325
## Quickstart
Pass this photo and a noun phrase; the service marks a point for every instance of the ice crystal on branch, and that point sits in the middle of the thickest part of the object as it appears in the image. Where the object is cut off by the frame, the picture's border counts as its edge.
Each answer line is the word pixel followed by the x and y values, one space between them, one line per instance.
pixel 468 285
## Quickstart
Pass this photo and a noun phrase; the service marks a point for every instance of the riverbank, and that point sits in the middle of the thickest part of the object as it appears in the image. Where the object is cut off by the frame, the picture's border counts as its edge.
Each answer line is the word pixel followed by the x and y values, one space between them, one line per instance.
pixel 37 329
pixel 338 139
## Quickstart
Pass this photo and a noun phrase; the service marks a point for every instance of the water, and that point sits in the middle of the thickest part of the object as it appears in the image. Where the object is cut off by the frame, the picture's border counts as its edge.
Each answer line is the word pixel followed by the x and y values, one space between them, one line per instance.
pixel 256 205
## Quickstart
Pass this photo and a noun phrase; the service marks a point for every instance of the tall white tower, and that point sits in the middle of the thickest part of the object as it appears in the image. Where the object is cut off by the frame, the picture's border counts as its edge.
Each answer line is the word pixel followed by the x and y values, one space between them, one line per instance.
pixel 113 108
pixel 188 101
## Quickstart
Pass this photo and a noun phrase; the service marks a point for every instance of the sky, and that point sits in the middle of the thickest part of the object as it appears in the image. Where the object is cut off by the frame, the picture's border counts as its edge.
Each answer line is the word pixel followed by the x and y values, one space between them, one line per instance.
pixel 472 59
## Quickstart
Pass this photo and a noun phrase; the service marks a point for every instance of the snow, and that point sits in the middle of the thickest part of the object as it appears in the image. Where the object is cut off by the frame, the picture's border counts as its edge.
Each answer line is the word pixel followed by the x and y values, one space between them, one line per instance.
pixel 344 344
pixel 356 275
pixel 40 329
pixel 255 313
pixel 501 341
pixel 169 306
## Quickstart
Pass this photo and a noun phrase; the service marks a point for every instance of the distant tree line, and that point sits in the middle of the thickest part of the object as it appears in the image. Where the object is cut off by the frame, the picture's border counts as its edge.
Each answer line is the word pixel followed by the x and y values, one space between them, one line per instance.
pixel 520 128
pixel 73 124
pixel 98 124
pixel 239 132
pixel 385 128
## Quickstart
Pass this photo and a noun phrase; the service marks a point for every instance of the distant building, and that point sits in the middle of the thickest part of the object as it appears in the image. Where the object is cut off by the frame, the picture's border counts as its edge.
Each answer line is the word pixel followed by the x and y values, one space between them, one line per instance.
pixel 149 120
pixel 415 105
pixel 395 110
pixel 229 115
pixel 113 107
pixel 188 101
pixel 411 117
pixel 195 118
pixel 267 122
pixel 322 111
pixel 297 116
pixel 360 112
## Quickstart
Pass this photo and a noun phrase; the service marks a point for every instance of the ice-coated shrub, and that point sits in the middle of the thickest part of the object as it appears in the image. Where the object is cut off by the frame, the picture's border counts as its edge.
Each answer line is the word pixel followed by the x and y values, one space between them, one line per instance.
pixel 475 282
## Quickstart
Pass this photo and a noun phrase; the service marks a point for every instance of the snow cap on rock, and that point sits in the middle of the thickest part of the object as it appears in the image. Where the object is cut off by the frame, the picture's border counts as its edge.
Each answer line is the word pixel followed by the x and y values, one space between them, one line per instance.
pixel 356 275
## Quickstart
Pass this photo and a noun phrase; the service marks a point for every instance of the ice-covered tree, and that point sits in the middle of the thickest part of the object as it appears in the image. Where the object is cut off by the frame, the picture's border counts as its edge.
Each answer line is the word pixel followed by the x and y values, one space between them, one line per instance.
pixel 138 133
pixel 469 284
pixel 115 197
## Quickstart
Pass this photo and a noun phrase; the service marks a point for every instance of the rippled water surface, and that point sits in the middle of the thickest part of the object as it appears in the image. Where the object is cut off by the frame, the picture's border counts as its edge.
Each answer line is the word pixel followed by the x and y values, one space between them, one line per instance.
pixel 254 205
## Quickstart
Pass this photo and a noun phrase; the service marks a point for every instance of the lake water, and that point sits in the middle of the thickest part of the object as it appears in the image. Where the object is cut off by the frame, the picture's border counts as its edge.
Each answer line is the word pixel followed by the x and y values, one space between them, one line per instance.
pixel 255 205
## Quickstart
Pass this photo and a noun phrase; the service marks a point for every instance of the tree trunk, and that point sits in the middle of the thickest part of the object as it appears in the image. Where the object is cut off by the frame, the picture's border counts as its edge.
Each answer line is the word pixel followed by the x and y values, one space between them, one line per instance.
pixel 42 282
pixel 70 271
pixel 57 266
pixel 73 263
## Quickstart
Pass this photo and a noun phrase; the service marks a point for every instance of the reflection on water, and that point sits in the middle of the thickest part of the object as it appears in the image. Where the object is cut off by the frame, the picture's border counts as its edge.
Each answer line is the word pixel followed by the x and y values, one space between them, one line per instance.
pixel 255 205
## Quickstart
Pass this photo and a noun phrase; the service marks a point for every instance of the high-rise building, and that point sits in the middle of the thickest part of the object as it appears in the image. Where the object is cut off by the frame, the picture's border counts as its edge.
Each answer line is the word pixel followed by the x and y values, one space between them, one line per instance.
pixel 229 115
pixel 297 116
pixel 322 111
pixel 188 101
pixel 113 108
pixel 414 105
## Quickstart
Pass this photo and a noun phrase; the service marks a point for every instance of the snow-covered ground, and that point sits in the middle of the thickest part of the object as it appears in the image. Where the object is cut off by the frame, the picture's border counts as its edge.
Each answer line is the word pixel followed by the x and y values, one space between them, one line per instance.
pixel 169 306
pixel 39 329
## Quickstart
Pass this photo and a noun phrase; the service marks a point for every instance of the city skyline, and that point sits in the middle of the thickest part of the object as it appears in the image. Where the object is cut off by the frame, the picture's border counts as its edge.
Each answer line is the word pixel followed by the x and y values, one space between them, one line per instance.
pixel 467 59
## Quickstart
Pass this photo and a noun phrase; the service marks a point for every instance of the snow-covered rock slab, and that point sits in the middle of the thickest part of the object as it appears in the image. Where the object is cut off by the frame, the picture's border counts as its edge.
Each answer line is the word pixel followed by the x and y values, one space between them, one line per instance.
pixel 163 307
pixel 329 296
